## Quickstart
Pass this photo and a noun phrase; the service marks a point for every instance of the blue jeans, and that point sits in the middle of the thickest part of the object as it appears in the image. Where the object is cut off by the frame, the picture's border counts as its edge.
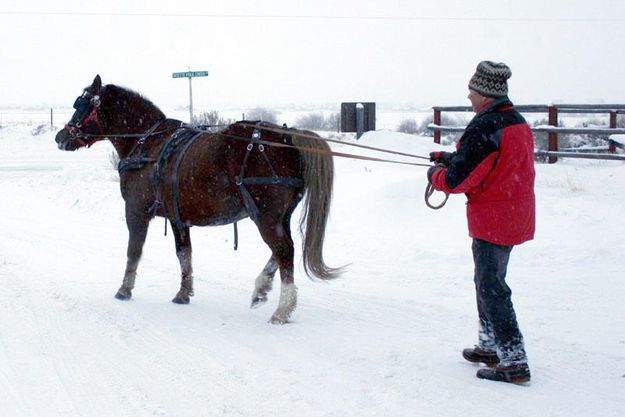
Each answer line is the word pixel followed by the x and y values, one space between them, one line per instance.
pixel 499 330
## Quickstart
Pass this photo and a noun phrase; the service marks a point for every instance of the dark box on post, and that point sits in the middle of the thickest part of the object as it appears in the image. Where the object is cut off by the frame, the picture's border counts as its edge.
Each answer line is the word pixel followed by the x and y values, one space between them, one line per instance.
pixel 348 116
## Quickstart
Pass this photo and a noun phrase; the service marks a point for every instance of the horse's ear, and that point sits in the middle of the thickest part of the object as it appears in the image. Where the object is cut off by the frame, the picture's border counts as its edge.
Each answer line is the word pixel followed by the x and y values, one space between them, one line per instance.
pixel 97 84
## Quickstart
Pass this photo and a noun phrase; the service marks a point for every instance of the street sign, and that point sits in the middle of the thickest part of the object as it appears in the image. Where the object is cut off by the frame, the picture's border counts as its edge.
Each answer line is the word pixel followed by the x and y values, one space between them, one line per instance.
pixel 190 74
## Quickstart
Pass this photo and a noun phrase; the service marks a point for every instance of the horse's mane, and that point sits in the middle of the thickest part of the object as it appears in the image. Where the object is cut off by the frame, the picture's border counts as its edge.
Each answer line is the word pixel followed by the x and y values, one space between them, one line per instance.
pixel 135 100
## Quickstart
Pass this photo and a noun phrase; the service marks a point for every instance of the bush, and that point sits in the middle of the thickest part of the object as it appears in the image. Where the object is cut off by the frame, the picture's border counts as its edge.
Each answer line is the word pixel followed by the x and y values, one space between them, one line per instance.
pixel 114 160
pixel 39 130
pixel 446 120
pixel 566 141
pixel 408 126
pixel 260 113
pixel 317 121
pixel 211 119
pixel 333 122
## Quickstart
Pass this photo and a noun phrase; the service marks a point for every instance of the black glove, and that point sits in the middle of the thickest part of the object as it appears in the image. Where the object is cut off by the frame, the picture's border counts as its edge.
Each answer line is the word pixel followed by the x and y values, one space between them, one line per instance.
pixel 433 169
pixel 441 157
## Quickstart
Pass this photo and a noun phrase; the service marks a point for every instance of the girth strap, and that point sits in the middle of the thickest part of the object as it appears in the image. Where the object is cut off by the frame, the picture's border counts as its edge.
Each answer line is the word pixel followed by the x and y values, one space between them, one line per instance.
pixel 287 181
pixel 182 137
pixel 174 178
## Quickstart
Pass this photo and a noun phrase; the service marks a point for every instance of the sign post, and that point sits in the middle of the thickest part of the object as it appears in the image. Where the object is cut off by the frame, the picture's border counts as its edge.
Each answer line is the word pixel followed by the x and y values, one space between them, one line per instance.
pixel 190 74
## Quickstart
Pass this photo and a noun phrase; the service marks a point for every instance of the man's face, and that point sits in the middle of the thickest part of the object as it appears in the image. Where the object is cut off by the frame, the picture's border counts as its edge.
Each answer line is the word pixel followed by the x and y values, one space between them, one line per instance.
pixel 477 100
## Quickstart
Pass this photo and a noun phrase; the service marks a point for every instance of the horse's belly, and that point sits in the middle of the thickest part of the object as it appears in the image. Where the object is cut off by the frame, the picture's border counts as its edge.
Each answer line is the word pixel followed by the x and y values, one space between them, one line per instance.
pixel 213 207
pixel 222 219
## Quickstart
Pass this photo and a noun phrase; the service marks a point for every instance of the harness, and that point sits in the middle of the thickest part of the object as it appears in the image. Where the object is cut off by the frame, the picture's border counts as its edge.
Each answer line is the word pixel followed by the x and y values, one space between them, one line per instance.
pixel 182 139
pixel 242 181
pixel 139 161
pixel 174 151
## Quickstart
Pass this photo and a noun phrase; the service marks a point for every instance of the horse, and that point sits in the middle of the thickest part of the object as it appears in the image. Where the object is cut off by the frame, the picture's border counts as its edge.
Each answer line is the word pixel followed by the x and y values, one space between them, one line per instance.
pixel 195 177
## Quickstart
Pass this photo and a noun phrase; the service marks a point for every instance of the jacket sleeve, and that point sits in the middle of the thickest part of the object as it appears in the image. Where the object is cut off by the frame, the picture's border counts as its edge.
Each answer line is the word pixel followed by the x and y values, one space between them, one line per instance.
pixel 470 164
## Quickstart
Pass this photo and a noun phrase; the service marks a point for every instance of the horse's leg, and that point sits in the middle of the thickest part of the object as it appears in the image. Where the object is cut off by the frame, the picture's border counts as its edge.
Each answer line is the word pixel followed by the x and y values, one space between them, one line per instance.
pixel 277 235
pixel 137 224
pixel 182 237
pixel 264 282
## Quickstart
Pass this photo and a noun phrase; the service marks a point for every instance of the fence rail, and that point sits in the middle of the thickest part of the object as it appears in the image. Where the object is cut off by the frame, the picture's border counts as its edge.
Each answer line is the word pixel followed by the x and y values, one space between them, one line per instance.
pixel 582 155
pixel 552 129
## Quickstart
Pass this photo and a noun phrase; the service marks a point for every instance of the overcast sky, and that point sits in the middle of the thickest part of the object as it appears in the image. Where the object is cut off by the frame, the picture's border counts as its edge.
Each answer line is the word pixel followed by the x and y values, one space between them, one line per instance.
pixel 274 52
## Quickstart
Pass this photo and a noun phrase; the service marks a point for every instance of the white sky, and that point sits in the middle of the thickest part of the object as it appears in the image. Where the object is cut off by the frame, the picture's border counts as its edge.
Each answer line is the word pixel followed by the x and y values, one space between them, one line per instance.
pixel 562 51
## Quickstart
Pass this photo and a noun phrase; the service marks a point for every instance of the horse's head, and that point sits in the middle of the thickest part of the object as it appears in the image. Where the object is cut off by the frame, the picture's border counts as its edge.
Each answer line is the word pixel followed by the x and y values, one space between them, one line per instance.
pixel 84 128
pixel 106 111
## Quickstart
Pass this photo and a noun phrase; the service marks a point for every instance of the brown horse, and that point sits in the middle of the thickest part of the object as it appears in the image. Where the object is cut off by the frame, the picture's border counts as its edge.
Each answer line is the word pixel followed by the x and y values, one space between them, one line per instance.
pixel 197 178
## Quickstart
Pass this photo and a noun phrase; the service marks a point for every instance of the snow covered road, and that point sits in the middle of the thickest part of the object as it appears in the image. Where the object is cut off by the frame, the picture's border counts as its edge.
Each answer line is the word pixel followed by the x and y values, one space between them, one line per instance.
pixel 384 340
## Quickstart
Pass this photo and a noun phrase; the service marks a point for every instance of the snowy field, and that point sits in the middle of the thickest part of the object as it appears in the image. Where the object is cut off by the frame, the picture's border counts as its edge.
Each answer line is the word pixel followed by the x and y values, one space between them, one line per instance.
pixel 384 340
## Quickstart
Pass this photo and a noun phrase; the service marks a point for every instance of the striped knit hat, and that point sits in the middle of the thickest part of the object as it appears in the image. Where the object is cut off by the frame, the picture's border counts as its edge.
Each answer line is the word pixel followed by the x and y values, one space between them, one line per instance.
pixel 490 79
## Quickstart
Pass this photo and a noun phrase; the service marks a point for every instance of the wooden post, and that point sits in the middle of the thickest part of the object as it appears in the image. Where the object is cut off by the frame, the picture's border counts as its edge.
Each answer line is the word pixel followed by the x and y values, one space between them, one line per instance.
pixel 612 146
pixel 51 119
pixel 437 121
pixel 553 137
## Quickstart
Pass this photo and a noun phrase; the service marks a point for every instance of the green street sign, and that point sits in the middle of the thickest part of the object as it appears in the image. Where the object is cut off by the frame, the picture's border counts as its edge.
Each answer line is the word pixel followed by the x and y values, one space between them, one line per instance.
pixel 190 74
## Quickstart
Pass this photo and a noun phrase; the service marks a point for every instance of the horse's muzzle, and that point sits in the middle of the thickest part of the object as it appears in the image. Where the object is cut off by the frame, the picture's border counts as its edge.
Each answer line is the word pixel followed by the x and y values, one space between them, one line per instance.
pixel 65 141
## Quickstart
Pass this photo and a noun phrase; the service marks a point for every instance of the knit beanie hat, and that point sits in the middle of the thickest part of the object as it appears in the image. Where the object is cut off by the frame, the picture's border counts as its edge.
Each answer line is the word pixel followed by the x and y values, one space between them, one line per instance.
pixel 490 79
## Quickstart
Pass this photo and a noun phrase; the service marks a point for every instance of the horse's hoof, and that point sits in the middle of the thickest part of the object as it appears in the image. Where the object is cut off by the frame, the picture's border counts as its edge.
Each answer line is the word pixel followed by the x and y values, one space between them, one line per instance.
pixel 258 301
pixel 278 320
pixel 123 294
pixel 181 299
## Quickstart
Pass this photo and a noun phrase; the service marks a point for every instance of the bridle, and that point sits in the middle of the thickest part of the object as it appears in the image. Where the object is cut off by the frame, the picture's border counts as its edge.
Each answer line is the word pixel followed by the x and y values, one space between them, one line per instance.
pixel 86 113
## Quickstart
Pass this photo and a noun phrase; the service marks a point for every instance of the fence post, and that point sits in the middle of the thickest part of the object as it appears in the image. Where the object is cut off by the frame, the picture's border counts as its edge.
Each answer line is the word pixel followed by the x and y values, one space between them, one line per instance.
pixel 51 118
pixel 553 137
pixel 612 146
pixel 437 121
pixel 360 120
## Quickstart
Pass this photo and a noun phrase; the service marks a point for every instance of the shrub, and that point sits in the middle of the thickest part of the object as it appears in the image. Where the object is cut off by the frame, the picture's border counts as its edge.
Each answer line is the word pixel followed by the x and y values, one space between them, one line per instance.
pixel 333 121
pixel 446 120
pixel 114 160
pixel 211 119
pixel 317 121
pixel 260 113
pixel 541 139
pixel 39 130
pixel 408 126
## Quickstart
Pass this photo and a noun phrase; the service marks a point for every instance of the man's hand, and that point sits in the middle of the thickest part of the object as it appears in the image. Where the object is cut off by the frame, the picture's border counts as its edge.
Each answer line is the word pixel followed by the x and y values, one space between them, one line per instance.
pixel 441 157
pixel 433 169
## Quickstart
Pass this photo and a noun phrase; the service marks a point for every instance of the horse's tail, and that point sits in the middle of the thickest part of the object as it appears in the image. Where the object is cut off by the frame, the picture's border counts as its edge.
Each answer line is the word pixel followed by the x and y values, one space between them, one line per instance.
pixel 318 174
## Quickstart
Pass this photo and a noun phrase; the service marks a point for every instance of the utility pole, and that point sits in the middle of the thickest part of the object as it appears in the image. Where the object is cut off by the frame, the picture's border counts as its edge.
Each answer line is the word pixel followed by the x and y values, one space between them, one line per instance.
pixel 190 74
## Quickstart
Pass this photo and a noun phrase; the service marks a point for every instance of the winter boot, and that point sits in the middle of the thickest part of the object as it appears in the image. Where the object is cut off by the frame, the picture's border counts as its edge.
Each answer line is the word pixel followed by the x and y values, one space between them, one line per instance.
pixel 479 355
pixel 516 374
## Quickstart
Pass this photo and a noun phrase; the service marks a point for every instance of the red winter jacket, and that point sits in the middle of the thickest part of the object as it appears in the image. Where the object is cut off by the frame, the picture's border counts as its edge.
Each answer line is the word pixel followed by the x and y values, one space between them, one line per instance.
pixel 494 166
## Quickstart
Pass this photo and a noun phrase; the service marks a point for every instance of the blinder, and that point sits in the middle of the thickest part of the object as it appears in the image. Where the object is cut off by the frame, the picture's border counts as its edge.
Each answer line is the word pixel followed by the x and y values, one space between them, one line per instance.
pixel 86 106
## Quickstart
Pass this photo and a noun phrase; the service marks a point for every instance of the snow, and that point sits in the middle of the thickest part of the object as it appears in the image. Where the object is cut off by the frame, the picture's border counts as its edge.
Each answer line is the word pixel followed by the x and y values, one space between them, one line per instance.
pixel 618 139
pixel 383 340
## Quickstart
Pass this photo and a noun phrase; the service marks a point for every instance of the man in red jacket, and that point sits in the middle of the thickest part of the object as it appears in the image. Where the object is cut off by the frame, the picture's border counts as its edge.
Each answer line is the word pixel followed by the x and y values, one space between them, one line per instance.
pixel 494 167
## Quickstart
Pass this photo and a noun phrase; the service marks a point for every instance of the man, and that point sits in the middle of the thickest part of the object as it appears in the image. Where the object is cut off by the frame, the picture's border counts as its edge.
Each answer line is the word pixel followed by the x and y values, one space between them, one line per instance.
pixel 494 167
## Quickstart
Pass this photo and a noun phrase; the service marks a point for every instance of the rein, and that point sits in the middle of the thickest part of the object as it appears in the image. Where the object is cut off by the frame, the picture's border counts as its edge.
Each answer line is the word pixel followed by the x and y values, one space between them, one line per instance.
pixel 332 153
pixel 429 191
